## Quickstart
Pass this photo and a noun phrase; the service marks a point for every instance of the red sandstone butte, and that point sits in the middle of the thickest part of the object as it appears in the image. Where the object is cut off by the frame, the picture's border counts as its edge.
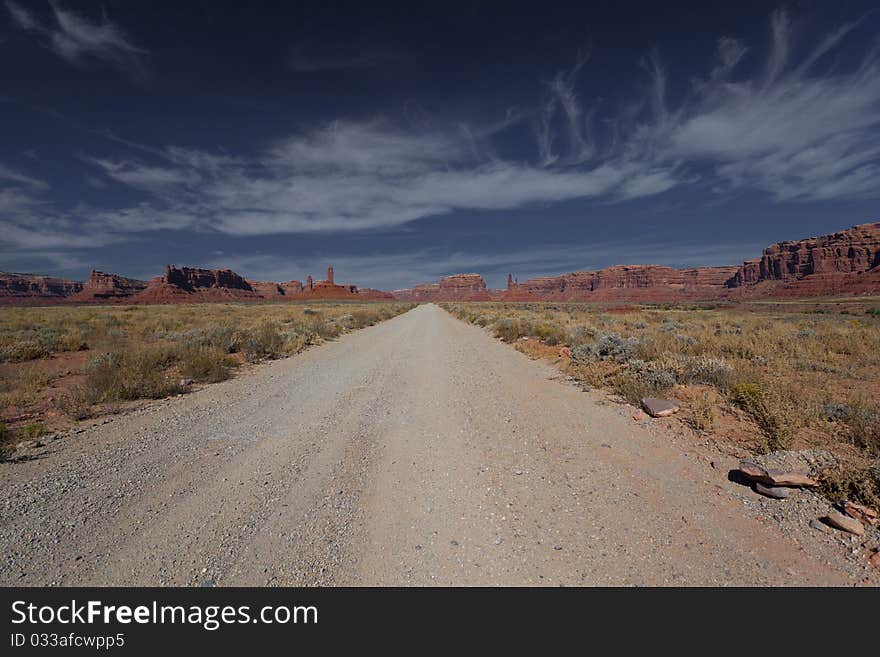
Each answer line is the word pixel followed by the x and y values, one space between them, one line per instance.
pixel 625 283
pixel 842 263
pixel 190 285
pixel 845 262
pixel 460 287
pixel 102 286
pixel 31 288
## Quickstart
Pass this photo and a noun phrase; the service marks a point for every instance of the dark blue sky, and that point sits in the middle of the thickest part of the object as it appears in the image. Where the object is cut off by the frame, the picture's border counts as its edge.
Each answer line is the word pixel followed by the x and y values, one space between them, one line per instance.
pixel 402 144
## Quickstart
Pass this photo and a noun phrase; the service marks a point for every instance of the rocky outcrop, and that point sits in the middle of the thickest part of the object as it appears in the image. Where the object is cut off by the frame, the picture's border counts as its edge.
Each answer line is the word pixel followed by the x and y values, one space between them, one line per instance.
pixel 371 294
pixel 192 279
pixel 421 292
pixel 267 289
pixel 31 288
pixel 191 284
pixel 624 283
pixel 102 286
pixel 845 262
pixel 460 287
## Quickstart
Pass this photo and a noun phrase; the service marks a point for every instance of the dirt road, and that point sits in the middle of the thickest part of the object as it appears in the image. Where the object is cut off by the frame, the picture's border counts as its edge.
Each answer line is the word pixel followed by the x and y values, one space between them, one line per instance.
pixel 418 451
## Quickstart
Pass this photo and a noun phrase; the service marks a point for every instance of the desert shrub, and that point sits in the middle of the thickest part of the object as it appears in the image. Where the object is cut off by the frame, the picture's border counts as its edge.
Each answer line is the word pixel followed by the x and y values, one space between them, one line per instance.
pixel 640 379
pixel 703 414
pixel 362 318
pixel 550 334
pixel 77 403
pixel 7 441
pixel 774 414
pixel 858 484
pixel 25 350
pixel 582 353
pixel 706 370
pixel 580 335
pixel 204 364
pixel 138 373
pixel 862 422
pixel 264 341
pixel 222 338
pixel 615 347
pixel 633 386
pixel 511 330
pixel 316 328
pixel 32 431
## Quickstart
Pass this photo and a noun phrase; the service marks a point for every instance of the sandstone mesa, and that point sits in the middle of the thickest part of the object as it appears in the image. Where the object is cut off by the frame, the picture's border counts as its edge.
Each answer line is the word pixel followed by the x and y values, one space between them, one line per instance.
pixel 843 263
pixel 846 262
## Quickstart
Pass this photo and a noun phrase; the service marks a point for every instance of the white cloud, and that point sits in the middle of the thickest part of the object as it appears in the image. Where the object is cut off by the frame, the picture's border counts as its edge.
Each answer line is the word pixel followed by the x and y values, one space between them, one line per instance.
pixel 792 129
pixel 75 38
pixel 350 176
pixel 793 132
pixel 10 176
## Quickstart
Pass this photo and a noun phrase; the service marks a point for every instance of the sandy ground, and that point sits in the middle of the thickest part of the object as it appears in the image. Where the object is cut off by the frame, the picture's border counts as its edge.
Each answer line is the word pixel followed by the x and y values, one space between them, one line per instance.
pixel 416 452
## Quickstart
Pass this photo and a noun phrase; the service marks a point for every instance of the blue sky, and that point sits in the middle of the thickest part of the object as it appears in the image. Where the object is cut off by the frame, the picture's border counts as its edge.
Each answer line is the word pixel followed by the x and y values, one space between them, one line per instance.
pixel 401 145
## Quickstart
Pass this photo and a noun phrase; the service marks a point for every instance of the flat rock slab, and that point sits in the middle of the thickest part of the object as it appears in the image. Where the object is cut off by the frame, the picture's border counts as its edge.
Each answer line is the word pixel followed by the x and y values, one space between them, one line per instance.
pixel 776 492
pixel 659 407
pixel 775 477
pixel 862 513
pixel 847 524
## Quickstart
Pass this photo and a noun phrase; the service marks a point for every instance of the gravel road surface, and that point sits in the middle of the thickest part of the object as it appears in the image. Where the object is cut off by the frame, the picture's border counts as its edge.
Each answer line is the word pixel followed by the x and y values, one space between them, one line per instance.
pixel 419 451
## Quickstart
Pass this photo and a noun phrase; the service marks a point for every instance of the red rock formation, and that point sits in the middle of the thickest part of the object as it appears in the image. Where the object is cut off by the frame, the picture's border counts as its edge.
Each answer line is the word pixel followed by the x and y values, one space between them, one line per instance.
pixel 460 287
pixel 267 289
pixel 624 283
pixel 102 286
pixel 371 294
pixel 421 292
pixel 190 278
pixel 830 264
pixel 177 285
pixel 189 284
pixel 31 288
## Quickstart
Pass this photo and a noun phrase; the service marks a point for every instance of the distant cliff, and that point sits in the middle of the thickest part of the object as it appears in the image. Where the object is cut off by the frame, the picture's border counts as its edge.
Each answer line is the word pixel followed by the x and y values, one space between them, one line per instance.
pixel 461 287
pixel 844 262
pixel 32 288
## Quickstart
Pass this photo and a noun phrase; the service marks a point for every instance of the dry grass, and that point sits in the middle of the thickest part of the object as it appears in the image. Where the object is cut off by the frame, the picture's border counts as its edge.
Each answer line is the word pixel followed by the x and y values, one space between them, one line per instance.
pixel 138 352
pixel 794 378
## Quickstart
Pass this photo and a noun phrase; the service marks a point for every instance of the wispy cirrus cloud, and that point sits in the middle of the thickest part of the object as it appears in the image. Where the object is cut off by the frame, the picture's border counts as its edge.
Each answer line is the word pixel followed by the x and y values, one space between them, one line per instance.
pixel 7 175
pixel 792 125
pixel 796 131
pixel 348 176
pixel 75 38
